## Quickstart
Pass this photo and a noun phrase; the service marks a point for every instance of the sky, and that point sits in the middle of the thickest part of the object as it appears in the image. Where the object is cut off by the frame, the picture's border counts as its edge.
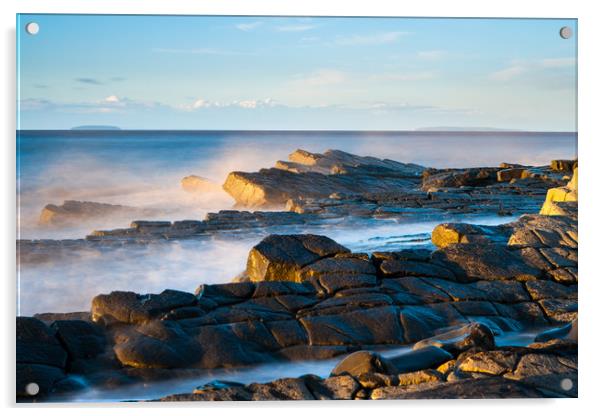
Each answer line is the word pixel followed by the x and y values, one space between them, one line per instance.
pixel 294 73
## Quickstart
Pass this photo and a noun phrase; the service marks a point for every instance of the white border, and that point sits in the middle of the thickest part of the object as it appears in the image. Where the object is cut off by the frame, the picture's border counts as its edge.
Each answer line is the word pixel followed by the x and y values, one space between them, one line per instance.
pixel 590 33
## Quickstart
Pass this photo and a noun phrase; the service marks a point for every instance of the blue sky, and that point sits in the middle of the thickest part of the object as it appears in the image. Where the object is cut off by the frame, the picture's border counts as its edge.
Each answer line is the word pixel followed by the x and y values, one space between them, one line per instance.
pixel 194 72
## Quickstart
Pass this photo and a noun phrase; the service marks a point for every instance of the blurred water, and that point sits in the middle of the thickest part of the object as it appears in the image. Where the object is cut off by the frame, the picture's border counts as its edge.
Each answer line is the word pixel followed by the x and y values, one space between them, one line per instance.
pixel 144 168
pixel 257 374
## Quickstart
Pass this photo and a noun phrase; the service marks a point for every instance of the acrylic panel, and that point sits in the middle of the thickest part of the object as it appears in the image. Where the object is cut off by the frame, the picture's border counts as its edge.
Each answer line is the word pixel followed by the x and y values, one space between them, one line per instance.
pixel 283 208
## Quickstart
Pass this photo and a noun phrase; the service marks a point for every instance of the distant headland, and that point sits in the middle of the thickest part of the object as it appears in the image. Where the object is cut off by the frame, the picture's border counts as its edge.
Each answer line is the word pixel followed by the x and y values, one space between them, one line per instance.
pixel 95 127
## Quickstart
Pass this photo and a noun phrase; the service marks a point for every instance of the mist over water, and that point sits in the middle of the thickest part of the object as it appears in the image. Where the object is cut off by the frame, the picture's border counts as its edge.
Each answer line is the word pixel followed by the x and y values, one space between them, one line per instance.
pixel 69 282
pixel 143 169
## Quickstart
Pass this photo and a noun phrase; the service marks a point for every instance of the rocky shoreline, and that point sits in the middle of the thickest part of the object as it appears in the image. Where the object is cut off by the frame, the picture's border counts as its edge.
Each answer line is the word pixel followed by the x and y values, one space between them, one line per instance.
pixel 305 296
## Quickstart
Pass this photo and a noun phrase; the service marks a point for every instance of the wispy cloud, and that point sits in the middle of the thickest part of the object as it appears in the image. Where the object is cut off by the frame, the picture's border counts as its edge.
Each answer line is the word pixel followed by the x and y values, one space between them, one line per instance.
pixel 98 81
pixel 320 78
pixel 537 68
pixel 370 39
pixel 246 27
pixel 200 51
pixel 112 99
pixel 507 74
pixel 251 104
pixel 89 81
pixel 295 28
pixel 109 104
pixel 405 76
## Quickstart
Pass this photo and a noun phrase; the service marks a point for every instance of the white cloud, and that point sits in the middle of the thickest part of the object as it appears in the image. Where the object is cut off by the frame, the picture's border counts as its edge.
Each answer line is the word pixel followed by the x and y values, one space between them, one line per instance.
pixel 534 69
pixel 372 39
pixel 295 28
pixel 408 76
pixel 246 27
pixel 200 51
pixel 507 74
pixel 112 99
pixel 247 104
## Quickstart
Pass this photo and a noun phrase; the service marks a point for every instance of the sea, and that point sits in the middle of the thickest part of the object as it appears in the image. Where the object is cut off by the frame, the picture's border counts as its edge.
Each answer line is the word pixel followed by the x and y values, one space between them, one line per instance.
pixel 144 168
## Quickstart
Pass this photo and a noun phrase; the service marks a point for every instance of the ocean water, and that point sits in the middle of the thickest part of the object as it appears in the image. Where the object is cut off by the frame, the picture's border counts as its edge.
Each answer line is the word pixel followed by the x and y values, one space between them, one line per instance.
pixel 144 168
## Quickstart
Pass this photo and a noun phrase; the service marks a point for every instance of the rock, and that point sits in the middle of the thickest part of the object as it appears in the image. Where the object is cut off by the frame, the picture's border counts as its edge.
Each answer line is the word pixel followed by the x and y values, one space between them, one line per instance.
pixel 362 362
pixel 474 335
pixel 557 197
pixel 401 268
pixel 310 352
pixel 330 173
pixel 545 289
pixel 488 362
pixel 420 359
pixel 288 333
pixel 337 266
pixel 335 282
pixel 486 262
pixel 563 165
pixel 130 307
pixel 455 178
pixel 281 257
pixel 37 344
pixel 418 377
pixel 559 310
pixel 333 388
pixel 198 184
pixel 281 389
pixel 44 376
pixel 73 212
pixel 361 327
pixel 547 372
pixel 506 175
pixel 81 339
pixel 158 344
pixel 454 233
pixel 235 393
pixel 421 322
pixel 50 317
pixel 217 385
pixel 492 388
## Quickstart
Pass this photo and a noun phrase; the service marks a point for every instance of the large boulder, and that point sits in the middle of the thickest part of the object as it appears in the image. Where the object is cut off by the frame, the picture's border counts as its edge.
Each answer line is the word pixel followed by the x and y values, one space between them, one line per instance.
pixel 485 262
pixel 129 307
pixel 363 362
pixel 41 359
pixel 82 339
pixel 423 358
pixel 314 175
pixel 556 198
pixel 281 257
pixel 37 344
pixel 454 233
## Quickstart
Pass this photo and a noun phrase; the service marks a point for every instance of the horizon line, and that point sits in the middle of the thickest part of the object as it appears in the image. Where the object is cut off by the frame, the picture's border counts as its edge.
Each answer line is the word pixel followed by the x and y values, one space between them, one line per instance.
pixel 310 130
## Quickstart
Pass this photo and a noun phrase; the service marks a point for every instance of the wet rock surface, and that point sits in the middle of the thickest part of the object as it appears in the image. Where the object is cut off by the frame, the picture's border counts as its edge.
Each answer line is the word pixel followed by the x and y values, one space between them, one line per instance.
pixel 309 297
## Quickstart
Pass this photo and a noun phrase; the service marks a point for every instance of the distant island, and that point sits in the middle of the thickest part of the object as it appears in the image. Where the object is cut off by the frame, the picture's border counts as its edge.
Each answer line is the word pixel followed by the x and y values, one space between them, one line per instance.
pixel 94 127
pixel 449 128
